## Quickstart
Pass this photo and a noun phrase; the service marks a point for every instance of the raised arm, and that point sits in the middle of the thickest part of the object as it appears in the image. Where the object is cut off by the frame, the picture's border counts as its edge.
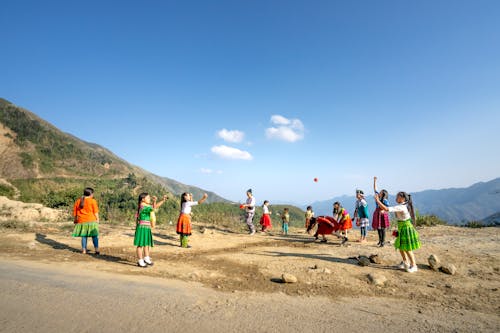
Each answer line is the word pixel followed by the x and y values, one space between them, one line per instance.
pixel 157 205
pixel 205 196
pixel 375 184
pixel 380 204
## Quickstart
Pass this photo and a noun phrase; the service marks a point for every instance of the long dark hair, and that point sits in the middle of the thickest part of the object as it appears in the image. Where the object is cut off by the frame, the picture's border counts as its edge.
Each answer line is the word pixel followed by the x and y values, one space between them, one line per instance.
pixel 337 210
pixel 183 200
pixel 384 195
pixel 87 192
pixel 141 197
pixel 409 204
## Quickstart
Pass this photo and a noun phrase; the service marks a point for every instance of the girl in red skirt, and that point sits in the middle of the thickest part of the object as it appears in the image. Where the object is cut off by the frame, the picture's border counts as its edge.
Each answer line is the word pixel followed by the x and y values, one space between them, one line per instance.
pixel 380 220
pixel 265 220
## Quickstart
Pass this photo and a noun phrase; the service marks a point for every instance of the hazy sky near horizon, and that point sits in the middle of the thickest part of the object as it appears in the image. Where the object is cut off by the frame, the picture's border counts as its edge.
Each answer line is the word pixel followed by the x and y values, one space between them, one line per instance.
pixel 231 95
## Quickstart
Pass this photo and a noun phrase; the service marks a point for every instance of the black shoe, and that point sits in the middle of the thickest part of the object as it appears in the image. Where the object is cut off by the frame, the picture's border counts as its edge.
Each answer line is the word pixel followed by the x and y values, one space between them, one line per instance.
pixel 323 241
pixel 344 240
pixel 97 253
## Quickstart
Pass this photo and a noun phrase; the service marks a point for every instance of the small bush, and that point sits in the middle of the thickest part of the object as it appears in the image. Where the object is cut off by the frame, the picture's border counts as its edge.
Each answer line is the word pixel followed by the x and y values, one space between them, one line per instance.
pixel 475 224
pixel 428 220
pixel 6 191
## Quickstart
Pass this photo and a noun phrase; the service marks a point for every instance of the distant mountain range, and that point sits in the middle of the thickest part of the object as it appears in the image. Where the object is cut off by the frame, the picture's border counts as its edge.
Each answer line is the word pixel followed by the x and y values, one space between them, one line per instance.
pixel 479 202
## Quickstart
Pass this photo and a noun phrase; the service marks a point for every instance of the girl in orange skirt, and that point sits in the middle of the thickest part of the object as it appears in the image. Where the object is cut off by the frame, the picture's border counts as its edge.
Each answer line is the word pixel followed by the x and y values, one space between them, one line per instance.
pixel 184 221
pixel 341 215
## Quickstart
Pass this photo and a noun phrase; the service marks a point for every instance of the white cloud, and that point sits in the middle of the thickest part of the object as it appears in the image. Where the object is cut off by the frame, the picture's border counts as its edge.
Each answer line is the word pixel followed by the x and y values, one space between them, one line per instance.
pixel 279 120
pixel 289 130
pixel 210 171
pixel 234 136
pixel 231 153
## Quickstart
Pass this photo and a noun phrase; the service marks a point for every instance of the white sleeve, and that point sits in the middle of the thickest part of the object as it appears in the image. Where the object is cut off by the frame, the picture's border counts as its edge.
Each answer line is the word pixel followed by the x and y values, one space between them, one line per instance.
pixel 398 208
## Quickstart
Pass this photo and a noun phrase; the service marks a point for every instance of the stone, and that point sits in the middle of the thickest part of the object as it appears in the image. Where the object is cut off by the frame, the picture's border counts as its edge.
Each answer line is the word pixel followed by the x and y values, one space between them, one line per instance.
pixel 375 259
pixel 377 279
pixel 364 261
pixel 449 269
pixel 288 278
pixel 434 262
pixel 327 271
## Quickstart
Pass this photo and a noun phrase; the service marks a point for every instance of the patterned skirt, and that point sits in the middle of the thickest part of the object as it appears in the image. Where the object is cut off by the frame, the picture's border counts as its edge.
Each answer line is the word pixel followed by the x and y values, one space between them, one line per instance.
pixel 86 229
pixel 380 219
pixel 407 239
pixel 143 235
pixel 184 225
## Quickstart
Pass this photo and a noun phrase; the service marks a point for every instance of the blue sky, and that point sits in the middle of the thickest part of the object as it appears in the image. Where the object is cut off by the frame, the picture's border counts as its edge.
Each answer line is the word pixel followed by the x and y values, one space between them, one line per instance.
pixel 268 95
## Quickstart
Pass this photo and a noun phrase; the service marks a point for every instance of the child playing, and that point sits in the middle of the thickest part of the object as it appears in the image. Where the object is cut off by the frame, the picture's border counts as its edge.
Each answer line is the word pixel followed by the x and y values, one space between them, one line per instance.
pixel 249 207
pixel 184 220
pixel 361 214
pixel 145 221
pixel 309 215
pixel 407 239
pixel 380 220
pixel 265 220
pixel 285 218
pixel 343 219
pixel 86 219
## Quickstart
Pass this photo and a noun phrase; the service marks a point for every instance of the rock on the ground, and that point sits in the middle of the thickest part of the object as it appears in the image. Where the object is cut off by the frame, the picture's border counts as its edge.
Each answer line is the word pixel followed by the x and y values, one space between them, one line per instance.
pixel 377 279
pixel 434 262
pixel 449 269
pixel 374 258
pixel 363 261
pixel 26 212
pixel 288 278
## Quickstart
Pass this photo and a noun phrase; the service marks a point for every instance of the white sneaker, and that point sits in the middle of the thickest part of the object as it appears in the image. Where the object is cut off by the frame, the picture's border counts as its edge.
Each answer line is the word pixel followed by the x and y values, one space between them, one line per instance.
pixel 252 232
pixel 141 263
pixel 148 261
pixel 403 265
pixel 412 269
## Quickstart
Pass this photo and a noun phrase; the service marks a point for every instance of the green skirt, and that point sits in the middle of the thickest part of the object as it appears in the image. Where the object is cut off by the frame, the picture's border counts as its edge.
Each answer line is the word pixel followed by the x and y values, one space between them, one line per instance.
pixel 407 239
pixel 86 229
pixel 143 236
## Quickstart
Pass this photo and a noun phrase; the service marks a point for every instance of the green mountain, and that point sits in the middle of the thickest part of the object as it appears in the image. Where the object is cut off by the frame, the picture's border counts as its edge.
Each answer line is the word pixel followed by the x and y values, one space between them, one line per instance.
pixel 40 163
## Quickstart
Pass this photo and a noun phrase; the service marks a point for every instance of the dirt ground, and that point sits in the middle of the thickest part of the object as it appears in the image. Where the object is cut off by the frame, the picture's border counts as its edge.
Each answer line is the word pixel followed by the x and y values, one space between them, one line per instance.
pixel 232 281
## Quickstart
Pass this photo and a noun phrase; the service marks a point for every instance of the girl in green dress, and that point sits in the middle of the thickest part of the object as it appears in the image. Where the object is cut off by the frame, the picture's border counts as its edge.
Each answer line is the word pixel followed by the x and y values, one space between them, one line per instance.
pixel 407 239
pixel 146 220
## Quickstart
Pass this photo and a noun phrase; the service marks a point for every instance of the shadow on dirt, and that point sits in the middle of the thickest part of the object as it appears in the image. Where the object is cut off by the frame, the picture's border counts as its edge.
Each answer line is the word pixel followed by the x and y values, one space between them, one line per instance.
pixel 41 238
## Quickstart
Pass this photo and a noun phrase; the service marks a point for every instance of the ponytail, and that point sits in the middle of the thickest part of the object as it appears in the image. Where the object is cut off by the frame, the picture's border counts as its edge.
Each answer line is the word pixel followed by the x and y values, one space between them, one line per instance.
pixel 409 204
pixel 86 193
pixel 141 197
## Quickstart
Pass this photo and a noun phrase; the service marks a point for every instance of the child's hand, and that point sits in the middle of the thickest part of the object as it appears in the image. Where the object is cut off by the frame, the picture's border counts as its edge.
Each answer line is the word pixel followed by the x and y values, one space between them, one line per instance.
pixel 154 198
pixel 165 197
pixel 205 195
pixel 375 178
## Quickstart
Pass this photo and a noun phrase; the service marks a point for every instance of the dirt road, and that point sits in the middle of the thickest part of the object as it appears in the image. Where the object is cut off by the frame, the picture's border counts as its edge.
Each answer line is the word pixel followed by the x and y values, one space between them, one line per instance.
pixel 229 283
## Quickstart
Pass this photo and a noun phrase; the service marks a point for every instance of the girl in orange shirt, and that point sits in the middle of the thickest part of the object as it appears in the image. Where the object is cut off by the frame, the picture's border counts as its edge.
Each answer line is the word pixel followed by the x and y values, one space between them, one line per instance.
pixel 86 214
